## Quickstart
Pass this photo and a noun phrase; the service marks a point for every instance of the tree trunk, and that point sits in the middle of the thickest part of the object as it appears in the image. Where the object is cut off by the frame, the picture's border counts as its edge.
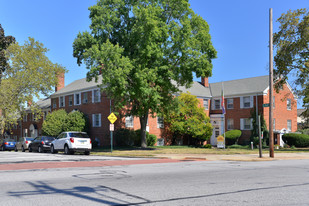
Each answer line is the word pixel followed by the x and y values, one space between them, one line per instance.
pixel 143 121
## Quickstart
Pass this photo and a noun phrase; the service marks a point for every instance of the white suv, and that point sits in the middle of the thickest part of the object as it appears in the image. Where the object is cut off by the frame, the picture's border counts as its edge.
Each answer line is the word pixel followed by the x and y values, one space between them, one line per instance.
pixel 70 142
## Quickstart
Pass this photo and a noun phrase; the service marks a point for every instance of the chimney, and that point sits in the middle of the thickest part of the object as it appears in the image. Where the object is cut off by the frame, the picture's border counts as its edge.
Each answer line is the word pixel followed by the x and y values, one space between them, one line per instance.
pixel 60 84
pixel 204 81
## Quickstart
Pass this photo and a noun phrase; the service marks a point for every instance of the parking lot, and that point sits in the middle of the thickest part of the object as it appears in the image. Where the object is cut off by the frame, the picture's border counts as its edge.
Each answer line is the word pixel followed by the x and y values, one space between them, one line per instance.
pixel 24 157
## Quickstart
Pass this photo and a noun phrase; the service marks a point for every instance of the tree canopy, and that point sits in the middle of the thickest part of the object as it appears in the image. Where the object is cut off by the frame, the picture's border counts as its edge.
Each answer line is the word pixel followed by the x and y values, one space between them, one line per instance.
pixel 189 119
pixel 60 121
pixel 292 52
pixel 28 75
pixel 5 42
pixel 144 50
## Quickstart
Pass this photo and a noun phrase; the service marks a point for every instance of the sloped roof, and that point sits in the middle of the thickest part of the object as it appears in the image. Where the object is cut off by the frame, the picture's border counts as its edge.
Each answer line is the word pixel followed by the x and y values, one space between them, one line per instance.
pixel 78 85
pixel 196 89
pixel 43 104
pixel 240 87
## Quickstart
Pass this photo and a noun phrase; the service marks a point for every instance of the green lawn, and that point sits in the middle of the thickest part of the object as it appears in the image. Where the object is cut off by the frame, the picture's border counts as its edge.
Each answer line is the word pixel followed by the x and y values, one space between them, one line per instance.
pixel 153 151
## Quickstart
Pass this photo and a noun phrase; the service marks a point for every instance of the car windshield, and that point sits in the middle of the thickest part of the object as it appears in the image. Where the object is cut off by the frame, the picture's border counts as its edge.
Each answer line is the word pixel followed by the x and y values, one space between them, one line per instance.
pixel 29 139
pixel 80 135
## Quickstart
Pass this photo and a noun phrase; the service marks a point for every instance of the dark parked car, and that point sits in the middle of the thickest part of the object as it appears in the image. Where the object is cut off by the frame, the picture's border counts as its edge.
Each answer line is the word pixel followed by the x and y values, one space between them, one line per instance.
pixel 41 144
pixel 7 144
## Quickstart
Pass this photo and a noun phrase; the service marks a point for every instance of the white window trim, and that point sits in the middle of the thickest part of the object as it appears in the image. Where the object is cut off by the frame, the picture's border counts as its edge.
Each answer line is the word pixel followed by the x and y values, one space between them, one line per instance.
pixel 227 103
pixel 160 125
pixel 99 97
pixel 213 104
pixel 242 102
pixel 206 100
pixel 79 98
pixel 228 124
pixel 287 105
pixel 93 120
pixel 63 97
pixel 242 124
pixel 287 124
pixel 72 96
pixel 126 124
pixel 85 94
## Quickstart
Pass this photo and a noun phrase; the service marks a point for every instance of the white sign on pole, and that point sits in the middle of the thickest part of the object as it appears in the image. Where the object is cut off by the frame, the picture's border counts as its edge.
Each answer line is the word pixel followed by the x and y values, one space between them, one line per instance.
pixel 111 127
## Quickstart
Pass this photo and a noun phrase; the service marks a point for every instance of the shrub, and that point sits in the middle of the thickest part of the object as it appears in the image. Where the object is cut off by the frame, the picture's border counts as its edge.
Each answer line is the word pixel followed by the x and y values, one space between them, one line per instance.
pixel 151 141
pixel 232 136
pixel 297 140
pixel 124 137
pixel 237 146
pixel 207 146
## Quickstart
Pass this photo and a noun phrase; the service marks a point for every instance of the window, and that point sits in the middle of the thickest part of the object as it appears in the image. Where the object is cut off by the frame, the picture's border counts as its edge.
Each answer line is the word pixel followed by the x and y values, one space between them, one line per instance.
pixel 274 124
pixel 129 121
pixel 230 124
pixel 44 115
pixel 288 102
pixel 25 132
pixel 274 101
pixel 289 125
pixel 25 117
pixel 246 102
pixel 96 97
pixel 217 104
pixel 54 103
pixel 85 98
pixel 160 122
pixel 70 100
pixel 230 104
pixel 61 101
pixel 96 120
pixel 246 124
pixel 77 99
pixel 205 104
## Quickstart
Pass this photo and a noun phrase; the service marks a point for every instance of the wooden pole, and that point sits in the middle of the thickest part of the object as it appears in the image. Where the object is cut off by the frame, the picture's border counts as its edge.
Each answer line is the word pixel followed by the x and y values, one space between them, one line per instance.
pixel 271 132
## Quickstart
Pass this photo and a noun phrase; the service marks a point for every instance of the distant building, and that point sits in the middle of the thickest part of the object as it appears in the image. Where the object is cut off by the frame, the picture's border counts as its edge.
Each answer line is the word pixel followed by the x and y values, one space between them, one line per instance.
pixel 240 99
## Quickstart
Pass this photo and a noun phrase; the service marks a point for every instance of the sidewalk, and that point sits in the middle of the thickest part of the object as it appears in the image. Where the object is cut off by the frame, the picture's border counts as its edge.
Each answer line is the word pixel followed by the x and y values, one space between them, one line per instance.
pixel 237 157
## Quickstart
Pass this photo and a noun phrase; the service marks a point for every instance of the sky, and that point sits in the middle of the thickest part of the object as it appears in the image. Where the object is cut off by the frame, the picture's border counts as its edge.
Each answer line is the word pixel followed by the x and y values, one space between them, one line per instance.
pixel 239 30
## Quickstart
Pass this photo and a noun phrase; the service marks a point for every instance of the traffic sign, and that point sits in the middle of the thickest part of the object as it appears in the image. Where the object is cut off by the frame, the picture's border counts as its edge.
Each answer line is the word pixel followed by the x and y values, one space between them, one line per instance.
pixel 266 105
pixel 112 118
pixel 111 127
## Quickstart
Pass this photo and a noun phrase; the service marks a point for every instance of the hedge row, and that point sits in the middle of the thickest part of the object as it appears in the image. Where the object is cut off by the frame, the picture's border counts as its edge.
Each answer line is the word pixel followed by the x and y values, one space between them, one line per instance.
pixel 232 136
pixel 297 140
pixel 127 137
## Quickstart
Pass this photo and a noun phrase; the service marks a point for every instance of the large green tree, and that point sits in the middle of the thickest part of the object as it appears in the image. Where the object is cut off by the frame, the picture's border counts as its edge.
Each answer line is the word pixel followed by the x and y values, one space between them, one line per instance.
pixel 144 49
pixel 5 42
pixel 292 52
pixel 189 119
pixel 28 75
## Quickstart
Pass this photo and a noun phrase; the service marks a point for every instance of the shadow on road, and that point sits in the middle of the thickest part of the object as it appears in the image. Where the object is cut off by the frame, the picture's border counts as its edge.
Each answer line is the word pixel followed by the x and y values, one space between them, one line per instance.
pixel 111 196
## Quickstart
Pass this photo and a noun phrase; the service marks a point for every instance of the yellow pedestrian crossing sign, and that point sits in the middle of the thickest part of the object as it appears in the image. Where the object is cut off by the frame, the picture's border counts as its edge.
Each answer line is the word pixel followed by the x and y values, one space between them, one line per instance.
pixel 112 118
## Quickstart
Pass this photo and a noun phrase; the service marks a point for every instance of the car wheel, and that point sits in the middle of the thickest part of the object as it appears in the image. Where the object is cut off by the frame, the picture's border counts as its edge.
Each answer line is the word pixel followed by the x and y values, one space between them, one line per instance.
pixel 66 150
pixel 22 149
pixel 40 149
pixel 87 153
pixel 30 149
pixel 52 150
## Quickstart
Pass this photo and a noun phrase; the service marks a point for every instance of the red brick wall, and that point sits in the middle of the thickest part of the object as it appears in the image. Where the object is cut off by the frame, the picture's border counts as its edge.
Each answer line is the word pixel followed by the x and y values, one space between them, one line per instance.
pixel 280 113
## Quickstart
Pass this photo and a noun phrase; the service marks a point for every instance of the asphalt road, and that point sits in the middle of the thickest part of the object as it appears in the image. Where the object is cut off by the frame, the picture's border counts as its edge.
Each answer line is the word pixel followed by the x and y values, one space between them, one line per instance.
pixel 284 182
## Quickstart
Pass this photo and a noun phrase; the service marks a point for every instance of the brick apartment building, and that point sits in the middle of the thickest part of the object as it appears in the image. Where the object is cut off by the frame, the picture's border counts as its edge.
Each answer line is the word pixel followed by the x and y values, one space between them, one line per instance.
pixel 240 99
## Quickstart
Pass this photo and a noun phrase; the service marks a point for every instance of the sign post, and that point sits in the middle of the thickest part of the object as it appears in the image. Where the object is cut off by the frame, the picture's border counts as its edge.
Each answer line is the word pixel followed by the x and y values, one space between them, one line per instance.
pixel 112 118
pixel 220 142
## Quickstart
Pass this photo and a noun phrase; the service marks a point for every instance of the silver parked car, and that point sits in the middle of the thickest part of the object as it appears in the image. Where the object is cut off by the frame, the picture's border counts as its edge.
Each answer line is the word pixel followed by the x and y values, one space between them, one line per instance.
pixel 23 144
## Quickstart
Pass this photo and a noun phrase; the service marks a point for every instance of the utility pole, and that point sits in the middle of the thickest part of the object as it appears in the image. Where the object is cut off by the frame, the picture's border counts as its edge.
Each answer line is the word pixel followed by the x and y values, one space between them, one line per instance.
pixel 271 132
